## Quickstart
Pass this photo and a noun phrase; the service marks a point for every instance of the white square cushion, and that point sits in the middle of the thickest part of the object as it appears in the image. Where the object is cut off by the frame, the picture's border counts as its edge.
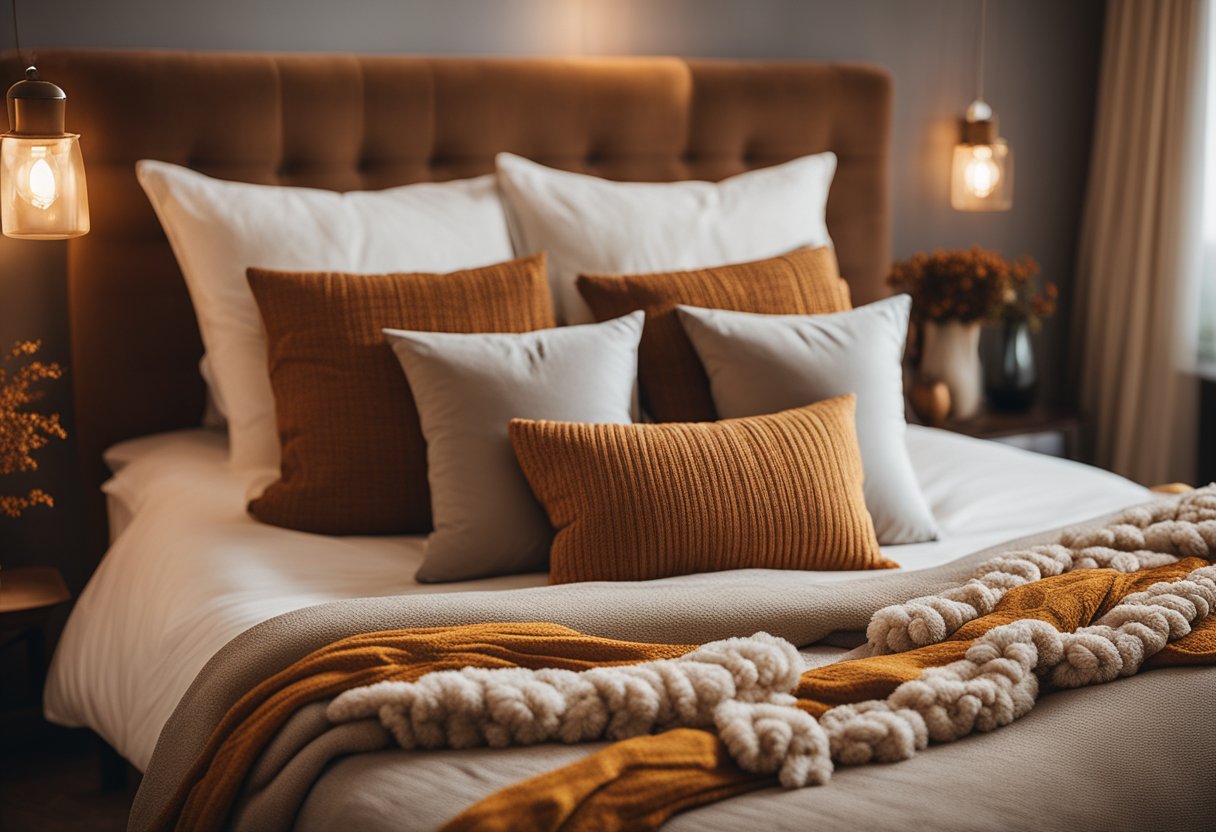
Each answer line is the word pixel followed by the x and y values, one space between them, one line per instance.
pixel 589 225
pixel 769 363
pixel 468 388
pixel 218 229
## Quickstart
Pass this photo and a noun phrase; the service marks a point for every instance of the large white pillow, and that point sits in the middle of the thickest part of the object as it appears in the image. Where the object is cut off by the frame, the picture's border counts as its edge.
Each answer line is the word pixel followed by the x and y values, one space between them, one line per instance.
pixel 589 225
pixel 769 363
pixel 218 229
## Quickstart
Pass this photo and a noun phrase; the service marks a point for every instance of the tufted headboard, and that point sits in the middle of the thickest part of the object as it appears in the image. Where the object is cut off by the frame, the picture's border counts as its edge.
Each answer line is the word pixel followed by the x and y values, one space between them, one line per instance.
pixel 353 122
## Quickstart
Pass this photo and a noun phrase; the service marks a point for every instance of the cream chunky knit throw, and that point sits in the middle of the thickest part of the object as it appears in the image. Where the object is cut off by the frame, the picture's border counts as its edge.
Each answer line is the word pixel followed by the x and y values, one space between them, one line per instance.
pixel 1139 538
pixel 742 686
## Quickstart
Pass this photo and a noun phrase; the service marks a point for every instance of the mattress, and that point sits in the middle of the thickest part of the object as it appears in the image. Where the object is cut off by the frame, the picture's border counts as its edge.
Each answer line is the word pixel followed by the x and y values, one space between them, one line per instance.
pixel 189 570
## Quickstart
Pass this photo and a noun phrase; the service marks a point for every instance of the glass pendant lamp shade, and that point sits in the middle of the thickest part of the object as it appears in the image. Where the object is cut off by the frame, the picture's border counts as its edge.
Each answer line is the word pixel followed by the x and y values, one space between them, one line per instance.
pixel 981 177
pixel 42 188
pixel 42 185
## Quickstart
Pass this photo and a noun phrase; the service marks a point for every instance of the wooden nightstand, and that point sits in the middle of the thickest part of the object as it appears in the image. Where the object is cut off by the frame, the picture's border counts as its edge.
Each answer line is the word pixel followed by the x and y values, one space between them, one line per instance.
pixel 28 596
pixel 1044 429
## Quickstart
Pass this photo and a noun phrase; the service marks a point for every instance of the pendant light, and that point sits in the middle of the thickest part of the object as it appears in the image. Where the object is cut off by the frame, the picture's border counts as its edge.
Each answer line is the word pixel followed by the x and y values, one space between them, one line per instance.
pixel 42 186
pixel 981 177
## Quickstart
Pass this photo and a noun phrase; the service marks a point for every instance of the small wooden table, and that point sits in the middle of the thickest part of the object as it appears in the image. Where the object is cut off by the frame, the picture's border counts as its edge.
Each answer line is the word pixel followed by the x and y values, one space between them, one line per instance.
pixel 28 596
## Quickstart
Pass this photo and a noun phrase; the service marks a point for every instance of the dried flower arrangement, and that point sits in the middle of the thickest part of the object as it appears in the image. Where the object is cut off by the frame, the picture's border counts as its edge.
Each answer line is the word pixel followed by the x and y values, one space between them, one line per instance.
pixel 23 431
pixel 974 285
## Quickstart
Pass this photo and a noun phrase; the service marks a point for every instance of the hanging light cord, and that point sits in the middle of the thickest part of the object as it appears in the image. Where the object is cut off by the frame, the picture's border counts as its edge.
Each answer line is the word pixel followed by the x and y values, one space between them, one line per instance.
pixel 979 57
pixel 17 34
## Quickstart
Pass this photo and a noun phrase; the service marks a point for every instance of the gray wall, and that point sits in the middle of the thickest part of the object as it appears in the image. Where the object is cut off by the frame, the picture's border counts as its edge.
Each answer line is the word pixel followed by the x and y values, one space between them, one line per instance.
pixel 1042 66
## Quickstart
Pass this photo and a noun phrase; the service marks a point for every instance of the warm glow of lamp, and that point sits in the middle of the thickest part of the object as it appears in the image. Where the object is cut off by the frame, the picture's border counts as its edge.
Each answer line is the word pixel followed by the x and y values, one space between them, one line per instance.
pixel 42 186
pixel 981 177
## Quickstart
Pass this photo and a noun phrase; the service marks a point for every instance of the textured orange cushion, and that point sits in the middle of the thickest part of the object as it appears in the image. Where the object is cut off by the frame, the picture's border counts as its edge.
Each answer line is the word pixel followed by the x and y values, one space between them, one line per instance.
pixel 674 385
pixel 634 502
pixel 354 460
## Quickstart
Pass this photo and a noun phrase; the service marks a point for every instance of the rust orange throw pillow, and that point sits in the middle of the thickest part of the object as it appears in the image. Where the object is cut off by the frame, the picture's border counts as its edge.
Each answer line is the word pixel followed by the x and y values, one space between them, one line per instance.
pixel 635 502
pixel 354 460
pixel 674 385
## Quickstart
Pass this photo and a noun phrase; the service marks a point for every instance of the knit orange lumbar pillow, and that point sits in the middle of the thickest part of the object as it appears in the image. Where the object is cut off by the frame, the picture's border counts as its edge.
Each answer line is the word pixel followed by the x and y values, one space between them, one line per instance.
pixel 635 502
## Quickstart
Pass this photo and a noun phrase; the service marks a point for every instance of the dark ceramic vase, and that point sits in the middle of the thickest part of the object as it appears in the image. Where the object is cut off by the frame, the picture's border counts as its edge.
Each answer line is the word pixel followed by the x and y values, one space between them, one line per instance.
pixel 1010 378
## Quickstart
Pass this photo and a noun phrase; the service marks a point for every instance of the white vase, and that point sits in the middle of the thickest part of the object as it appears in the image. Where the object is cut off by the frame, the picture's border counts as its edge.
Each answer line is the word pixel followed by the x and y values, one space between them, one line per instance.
pixel 951 354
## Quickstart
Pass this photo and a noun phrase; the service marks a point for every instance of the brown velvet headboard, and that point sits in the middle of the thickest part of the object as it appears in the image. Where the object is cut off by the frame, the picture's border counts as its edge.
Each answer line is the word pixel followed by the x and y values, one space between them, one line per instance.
pixel 353 122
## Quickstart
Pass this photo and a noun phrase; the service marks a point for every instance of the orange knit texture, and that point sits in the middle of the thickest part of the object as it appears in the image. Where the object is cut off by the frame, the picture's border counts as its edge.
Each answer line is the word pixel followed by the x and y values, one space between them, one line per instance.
pixel 632 785
pixel 635 502
pixel 674 385
pixel 354 460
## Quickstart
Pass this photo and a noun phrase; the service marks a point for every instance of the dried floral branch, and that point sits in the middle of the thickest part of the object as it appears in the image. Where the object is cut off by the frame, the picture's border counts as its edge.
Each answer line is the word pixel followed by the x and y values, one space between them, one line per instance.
pixel 14 506
pixel 22 431
pixel 974 285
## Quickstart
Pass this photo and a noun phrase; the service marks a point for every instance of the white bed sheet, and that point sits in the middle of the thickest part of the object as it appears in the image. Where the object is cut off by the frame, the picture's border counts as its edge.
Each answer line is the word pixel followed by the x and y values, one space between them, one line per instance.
pixel 189 570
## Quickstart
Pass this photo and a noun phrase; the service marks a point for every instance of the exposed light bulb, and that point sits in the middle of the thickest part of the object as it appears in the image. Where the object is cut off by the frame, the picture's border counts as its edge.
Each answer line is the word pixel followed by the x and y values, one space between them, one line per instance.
pixel 41 184
pixel 42 189
pixel 982 175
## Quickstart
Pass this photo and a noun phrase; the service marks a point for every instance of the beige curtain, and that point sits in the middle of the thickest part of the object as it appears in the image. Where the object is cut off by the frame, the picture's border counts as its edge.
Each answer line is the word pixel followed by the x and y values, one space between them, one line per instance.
pixel 1141 241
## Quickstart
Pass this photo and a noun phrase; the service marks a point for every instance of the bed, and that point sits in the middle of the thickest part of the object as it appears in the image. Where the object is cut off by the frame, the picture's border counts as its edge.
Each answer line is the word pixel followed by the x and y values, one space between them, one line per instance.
pixel 195 602
pixel 129 660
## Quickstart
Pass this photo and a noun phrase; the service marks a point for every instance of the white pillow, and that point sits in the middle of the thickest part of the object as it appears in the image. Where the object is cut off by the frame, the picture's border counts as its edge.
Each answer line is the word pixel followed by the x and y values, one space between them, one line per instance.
pixel 218 229
pixel 467 389
pixel 589 225
pixel 769 363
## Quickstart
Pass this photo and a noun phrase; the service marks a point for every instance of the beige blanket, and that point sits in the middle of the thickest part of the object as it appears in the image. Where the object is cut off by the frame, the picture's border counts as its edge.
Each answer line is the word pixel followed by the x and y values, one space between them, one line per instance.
pixel 1083 763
